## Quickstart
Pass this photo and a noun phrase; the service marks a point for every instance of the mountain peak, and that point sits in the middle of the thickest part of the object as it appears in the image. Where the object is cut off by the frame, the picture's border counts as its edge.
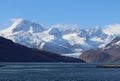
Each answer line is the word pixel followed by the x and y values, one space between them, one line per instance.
pixel 97 27
pixel 54 31
pixel 97 31
pixel 17 20
pixel 20 24
pixel 71 30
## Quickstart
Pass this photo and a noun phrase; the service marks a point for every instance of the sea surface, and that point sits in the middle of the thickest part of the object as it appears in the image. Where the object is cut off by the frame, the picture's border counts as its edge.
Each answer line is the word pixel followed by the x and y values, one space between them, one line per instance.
pixel 57 72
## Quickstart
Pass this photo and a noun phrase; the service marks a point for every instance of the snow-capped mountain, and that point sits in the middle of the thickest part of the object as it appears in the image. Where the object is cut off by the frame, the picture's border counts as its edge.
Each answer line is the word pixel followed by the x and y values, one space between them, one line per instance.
pixel 59 39
pixel 84 40
pixel 21 31
pixel 23 25
pixel 54 31
pixel 33 35
pixel 74 39
pixel 96 37
pixel 109 51
pixel 96 32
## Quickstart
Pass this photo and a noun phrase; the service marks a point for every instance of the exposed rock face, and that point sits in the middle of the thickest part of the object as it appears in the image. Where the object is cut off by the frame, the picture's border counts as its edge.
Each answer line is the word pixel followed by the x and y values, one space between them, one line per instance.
pixel 96 56
pixel 110 53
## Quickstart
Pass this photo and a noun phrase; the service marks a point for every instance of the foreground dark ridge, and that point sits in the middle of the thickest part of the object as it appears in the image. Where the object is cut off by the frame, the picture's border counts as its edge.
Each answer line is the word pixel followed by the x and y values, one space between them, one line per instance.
pixel 11 52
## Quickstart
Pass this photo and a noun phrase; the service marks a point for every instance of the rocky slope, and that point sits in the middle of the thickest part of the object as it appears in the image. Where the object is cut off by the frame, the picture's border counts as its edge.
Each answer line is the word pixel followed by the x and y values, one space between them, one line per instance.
pixel 110 53
pixel 12 52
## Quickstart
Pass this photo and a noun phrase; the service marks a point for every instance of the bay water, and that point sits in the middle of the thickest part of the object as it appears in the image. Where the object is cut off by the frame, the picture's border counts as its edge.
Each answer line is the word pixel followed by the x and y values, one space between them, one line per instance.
pixel 16 71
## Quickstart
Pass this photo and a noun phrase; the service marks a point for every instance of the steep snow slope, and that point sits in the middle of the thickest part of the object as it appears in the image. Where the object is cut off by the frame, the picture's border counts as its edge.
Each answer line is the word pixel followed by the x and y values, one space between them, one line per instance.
pixel 23 25
pixel 33 35
pixel 96 37
pixel 84 40
pixel 53 42
pixel 21 31
pixel 79 43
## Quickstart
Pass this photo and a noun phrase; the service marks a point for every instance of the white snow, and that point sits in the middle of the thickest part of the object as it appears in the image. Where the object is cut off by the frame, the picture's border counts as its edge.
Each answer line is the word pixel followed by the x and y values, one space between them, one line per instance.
pixel 75 39
pixel 117 43
pixel 74 55
pixel 112 29
pixel 96 39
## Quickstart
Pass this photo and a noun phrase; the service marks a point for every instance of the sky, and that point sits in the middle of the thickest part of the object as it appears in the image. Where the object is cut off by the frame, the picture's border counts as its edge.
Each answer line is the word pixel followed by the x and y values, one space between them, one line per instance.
pixel 85 13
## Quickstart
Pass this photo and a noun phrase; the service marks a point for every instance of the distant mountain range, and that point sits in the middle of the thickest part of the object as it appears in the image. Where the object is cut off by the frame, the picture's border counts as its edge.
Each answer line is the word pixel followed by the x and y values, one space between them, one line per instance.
pixel 64 40
pixel 69 40
pixel 12 52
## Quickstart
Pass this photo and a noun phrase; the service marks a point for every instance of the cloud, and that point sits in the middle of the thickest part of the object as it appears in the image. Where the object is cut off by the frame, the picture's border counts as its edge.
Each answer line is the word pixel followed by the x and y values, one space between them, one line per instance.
pixel 16 19
pixel 65 26
pixel 112 29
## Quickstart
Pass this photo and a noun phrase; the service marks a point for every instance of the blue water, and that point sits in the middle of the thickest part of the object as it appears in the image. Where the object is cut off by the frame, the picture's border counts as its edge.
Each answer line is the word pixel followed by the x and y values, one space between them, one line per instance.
pixel 57 72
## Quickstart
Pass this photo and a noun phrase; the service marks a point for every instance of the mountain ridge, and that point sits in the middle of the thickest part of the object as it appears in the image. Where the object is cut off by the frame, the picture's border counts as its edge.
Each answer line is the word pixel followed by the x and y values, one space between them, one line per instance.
pixel 13 52
pixel 69 40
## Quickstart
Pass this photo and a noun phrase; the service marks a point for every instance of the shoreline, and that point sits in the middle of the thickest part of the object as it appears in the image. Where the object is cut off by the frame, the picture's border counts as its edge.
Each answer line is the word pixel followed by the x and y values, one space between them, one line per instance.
pixel 109 66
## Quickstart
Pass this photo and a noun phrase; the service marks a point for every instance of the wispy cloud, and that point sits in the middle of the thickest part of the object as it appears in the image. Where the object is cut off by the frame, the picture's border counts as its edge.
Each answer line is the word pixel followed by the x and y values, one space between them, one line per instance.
pixel 112 29
pixel 65 26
